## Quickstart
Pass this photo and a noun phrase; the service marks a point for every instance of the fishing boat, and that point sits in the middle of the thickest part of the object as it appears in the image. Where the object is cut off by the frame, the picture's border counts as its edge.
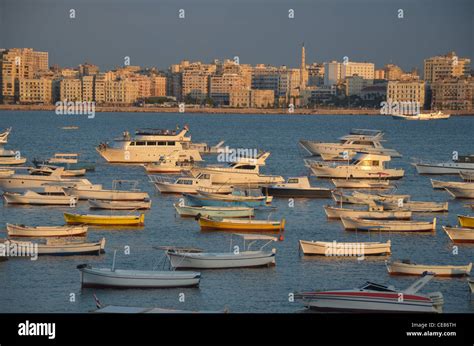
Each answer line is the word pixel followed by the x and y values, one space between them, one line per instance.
pixel 423 116
pixel 9 157
pixel 467 176
pixel 373 297
pixel 148 145
pixel 69 127
pixel 224 212
pixel 444 168
pixel 238 195
pixel 297 187
pixel 388 226
pixel 243 172
pixel 119 205
pixel 70 161
pixel 408 268
pixel 189 185
pixel 365 198
pixel 440 184
pixel 171 164
pixel 180 258
pixel 340 249
pixel 45 231
pixel 361 166
pixel 370 141
pixel 362 184
pixel 90 219
pixel 40 198
pixel 466 221
pixel 226 224
pixel 466 190
pixel 377 213
pixel 460 234
pixel 123 278
pixel 416 206
pixel 115 194
pixel 200 200
pixel 62 246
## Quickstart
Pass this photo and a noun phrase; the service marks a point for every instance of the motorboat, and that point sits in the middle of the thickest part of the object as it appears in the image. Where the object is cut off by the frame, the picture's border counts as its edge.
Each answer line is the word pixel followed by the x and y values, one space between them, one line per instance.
pixel 351 223
pixel 62 246
pixel 444 168
pixel 365 198
pixel 119 205
pixel 460 234
pixel 148 145
pixel 466 221
pixel 95 219
pixel 223 212
pixel 49 169
pixel 361 166
pixel 297 187
pixel 115 194
pixel 376 213
pixel 171 164
pixel 227 224
pixel 416 206
pixel 245 258
pixel 344 249
pixel 422 116
pixel 41 198
pixel 242 172
pixel 45 231
pixel 70 161
pixel 373 297
pixel 365 184
pixel 189 185
pixel 9 157
pixel 409 268
pixel 124 278
pixel 466 190
pixel 370 141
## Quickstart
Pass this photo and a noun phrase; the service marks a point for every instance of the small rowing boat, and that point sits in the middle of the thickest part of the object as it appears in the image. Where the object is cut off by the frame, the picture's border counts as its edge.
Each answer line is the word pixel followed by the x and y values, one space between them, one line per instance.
pixel 361 184
pixel 89 219
pixel 339 249
pixel 371 213
pixel 466 221
pixel 45 231
pixel 388 226
pixel 224 212
pixel 416 206
pixel 441 184
pixel 408 268
pixel 460 234
pixel 63 246
pixel 207 223
pixel 119 205
pixel 466 190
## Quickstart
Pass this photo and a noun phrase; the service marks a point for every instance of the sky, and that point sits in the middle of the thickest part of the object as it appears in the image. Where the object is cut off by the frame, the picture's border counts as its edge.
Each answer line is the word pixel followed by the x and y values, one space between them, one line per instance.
pixel 104 32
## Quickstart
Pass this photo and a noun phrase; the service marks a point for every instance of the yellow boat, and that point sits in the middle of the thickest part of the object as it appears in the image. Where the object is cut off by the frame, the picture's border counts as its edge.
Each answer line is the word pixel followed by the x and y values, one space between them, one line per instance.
pixel 207 223
pixel 466 221
pixel 90 219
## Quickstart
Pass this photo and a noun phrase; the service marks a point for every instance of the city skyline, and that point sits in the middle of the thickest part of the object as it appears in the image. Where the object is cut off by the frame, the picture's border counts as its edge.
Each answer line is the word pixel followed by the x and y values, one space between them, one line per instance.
pixel 194 38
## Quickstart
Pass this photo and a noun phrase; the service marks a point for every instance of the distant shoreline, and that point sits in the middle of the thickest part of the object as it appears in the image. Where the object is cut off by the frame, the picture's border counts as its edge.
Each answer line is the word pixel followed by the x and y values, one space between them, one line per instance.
pixel 226 110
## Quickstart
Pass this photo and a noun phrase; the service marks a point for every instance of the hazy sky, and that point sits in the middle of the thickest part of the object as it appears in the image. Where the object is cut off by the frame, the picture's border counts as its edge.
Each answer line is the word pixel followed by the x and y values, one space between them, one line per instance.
pixel 258 31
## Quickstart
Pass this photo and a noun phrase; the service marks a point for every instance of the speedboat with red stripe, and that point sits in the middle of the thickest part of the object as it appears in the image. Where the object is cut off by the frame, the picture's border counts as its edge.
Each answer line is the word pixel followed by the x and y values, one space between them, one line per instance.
pixel 372 297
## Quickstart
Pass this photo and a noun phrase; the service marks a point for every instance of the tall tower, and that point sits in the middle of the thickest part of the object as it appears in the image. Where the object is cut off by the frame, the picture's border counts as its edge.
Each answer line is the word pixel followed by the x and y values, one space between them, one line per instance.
pixel 303 73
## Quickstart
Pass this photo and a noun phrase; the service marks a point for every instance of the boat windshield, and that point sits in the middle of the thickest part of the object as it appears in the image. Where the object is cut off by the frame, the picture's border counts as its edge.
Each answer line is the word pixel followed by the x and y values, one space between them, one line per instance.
pixel 375 287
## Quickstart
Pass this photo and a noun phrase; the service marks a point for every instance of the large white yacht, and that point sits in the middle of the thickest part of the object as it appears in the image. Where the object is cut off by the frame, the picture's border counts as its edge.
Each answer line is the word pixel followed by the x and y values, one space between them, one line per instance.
pixel 9 157
pixel 241 172
pixel 362 166
pixel 148 145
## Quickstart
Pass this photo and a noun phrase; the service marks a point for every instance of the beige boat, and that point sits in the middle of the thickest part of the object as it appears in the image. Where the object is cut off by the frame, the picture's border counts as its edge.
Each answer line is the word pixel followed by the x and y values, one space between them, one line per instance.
pixel 361 184
pixel 441 184
pixel 408 268
pixel 62 246
pixel 416 206
pixel 45 231
pixel 380 197
pixel 119 205
pixel 460 234
pixel 351 223
pixel 115 194
pixel 462 191
pixel 40 198
pixel 334 248
pixel 370 213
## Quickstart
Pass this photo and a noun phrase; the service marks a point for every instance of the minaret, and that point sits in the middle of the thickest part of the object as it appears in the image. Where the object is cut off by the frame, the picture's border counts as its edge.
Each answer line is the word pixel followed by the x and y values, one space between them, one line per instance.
pixel 303 73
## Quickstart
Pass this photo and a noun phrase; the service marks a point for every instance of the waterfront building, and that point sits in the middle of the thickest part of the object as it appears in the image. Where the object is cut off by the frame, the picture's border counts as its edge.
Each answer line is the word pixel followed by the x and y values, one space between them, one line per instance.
pixel 239 97
pixel 70 89
pixel 407 91
pixel 374 92
pixel 379 74
pixel 393 72
pixel 355 84
pixel 221 85
pixel 332 73
pixel 323 93
pixel 456 93
pixel 316 74
pixel 35 90
pixel 446 66
pixel 87 69
pixel 69 73
pixel 361 69
pixel 262 98
pixel 158 85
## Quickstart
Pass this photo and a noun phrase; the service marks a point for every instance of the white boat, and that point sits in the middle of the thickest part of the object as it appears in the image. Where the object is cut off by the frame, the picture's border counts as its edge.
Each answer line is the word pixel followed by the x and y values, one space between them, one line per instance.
pixel 362 184
pixel 423 116
pixel 372 213
pixel 369 142
pixel 388 226
pixel 148 145
pixel 340 249
pixel 416 206
pixel 180 258
pixel 361 166
pixel 63 247
pixel 9 157
pixel 41 198
pixel 448 168
pixel 70 161
pixel 439 184
pixel 243 172
pixel 45 231
pixel 119 205
pixel 49 169
pixel 115 194
pixel 461 191
pixel 123 278
pixel 171 164
pixel 297 187
pixel 221 211
pixel 372 297
pixel 460 234
pixel 187 184
pixel 380 197
pixel 408 268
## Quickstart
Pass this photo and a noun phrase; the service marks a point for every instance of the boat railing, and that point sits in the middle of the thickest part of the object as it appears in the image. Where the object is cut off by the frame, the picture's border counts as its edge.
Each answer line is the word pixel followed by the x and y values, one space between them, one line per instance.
pixel 162 179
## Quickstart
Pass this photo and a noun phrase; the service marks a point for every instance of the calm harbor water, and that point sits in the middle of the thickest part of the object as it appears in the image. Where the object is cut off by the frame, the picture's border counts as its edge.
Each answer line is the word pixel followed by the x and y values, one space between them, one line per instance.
pixel 46 285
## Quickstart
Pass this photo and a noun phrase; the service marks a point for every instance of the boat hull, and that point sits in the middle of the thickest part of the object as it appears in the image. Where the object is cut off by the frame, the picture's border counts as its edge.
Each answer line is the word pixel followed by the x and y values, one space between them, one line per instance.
pixel 350 172
pixel 461 192
pixel 299 193
pixel 388 226
pixel 37 199
pixel 60 231
pixel 451 168
pixel 118 220
pixel 219 176
pixel 119 205
pixel 201 201
pixel 138 156
pixel 399 268
pixel 337 213
pixel 460 235
pixel 109 195
pixel 189 211
pixel 334 249
pixel 68 249
pixel 466 221
pixel 246 225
